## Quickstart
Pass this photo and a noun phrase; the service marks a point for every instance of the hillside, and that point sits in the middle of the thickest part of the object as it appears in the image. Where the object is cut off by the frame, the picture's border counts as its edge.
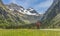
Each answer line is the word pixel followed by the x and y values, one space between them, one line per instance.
pixel 11 16
pixel 8 19
pixel 51 18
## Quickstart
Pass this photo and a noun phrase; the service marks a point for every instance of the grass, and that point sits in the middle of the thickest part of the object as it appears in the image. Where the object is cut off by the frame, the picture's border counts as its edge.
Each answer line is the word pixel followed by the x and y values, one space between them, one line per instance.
pixel 28 32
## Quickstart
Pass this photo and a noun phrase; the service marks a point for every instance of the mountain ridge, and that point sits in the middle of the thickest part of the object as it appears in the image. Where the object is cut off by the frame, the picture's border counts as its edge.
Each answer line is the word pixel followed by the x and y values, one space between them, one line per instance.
pixel 29 11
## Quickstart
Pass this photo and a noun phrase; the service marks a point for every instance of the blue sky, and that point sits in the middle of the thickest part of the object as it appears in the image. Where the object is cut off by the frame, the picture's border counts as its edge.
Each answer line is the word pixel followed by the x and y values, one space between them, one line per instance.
pixel 39 5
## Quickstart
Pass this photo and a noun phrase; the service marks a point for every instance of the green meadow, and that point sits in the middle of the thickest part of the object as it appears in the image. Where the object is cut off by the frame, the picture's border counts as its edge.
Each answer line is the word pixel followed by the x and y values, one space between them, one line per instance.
pixel 28 32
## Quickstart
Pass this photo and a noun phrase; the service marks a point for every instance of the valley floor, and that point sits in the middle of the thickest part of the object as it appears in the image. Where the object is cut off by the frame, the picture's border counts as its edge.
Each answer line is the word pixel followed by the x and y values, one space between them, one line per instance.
pixel 29 32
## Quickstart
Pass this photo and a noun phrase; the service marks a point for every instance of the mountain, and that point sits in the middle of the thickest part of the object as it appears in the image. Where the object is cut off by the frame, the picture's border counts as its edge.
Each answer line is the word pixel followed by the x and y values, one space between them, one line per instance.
pixel 29 11
pixel 27 14
pixel 13 16
pixel 32 11
pixel 51 18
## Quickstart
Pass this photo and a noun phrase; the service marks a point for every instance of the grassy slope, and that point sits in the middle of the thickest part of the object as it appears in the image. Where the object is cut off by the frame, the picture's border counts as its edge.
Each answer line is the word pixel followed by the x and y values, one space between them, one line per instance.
pixel 30 32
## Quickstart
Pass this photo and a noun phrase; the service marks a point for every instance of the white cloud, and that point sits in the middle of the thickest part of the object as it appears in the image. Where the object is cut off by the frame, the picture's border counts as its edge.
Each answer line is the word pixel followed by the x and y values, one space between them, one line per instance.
pixel 47 3
pixel 43 6
pixel 13 1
